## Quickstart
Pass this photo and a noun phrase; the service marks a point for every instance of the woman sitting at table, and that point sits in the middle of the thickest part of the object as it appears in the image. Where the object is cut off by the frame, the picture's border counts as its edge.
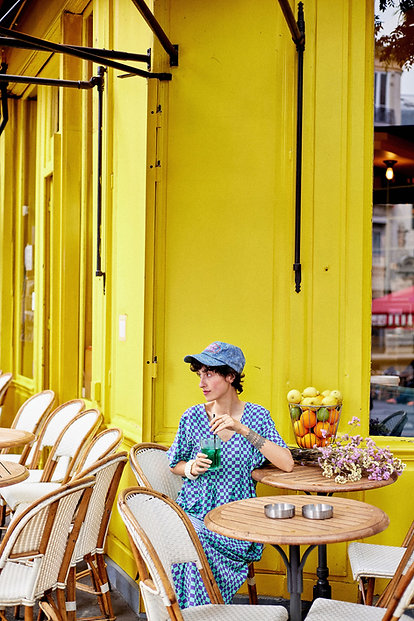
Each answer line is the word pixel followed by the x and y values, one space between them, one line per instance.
pixel 248 437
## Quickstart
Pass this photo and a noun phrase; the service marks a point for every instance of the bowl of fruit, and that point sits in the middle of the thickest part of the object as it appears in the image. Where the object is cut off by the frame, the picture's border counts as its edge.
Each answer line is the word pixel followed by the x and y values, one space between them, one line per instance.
pixel 314 415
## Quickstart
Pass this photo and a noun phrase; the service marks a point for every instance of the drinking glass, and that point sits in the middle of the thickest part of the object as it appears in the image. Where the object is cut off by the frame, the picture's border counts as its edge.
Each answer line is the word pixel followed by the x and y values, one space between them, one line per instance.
pixel 211 447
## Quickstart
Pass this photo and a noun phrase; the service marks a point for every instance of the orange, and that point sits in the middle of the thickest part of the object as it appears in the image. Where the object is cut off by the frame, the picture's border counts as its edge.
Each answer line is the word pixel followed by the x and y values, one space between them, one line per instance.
pixel 322 430
pixel 308 418
pixel 299 441
pixel 299 428
pixel 309 440
pixel 333 416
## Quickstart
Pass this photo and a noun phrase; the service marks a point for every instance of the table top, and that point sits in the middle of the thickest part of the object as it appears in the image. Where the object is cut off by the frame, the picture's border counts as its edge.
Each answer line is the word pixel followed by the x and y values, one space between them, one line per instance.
pixel 11 473
pixel 14 437
pixel 246 520
pixel 311 479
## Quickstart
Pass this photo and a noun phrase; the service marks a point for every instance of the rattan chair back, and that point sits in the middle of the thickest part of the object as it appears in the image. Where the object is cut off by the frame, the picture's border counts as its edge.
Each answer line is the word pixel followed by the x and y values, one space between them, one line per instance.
pixel 65 454
pixel 52 427
pixel 105 443
pixel 161 534
pixel 5 381
pixel 151 468
pixel 37 548
pixel 30 416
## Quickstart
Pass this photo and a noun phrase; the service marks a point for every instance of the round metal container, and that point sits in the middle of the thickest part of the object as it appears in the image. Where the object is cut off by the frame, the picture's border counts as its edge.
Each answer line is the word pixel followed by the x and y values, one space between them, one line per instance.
pixel 279 510
pixel 317 512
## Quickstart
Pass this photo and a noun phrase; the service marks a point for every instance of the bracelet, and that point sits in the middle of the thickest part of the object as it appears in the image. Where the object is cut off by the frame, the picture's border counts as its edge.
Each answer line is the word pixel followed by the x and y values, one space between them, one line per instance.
pixel 187 470
pixel 255 439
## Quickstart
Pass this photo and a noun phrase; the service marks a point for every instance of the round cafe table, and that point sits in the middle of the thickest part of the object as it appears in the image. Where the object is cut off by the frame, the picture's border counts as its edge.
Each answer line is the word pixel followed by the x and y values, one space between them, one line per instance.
pixel 309 479
pixel 246 520
pixel 11 473
pixel 10 438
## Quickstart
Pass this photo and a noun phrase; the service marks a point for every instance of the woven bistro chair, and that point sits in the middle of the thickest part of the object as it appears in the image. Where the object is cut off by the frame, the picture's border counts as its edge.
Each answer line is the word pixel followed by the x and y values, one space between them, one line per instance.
pixel 37 548
pixel 91 541
pixel 48 436
pixel 161 534
pixel 5 381
pixel 150 465
pixel 63 457
pixel 101 445
pixel 370 561
pixel 328 609
pixel 30 416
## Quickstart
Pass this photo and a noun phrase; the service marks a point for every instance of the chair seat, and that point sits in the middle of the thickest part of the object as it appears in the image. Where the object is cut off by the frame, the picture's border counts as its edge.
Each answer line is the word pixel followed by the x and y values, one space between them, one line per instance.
pixel 378 561
pixel 328 609
pixel 26 493
pixel 236 612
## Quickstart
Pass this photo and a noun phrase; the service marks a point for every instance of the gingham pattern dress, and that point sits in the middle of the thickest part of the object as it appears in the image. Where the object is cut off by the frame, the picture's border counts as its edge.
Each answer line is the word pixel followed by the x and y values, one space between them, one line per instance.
pixel 227 557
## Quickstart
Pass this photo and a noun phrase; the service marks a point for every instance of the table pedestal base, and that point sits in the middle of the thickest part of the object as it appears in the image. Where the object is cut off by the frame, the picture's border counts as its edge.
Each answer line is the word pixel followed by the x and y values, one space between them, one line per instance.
pixel 322 588
pixel 294 569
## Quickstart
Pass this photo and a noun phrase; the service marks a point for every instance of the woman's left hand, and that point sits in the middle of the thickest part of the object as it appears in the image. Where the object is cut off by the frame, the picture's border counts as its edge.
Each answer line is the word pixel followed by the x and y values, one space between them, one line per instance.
pixel 225 421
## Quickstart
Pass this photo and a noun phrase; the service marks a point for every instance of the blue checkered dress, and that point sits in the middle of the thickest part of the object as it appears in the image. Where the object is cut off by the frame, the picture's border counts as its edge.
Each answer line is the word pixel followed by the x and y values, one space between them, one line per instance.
pixel 228 558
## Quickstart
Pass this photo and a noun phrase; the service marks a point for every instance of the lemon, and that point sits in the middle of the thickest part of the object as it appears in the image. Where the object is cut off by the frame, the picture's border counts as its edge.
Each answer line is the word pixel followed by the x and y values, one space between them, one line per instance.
pixel 309 401
pixel 310 391
pixel 330 400
pixel 294 396
pixel 337 394
pixel 326 393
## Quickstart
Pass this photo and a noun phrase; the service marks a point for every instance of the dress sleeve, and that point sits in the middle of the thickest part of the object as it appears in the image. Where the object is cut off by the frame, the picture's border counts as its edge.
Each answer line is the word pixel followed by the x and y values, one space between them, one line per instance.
pixel 180 449
pixel 267 430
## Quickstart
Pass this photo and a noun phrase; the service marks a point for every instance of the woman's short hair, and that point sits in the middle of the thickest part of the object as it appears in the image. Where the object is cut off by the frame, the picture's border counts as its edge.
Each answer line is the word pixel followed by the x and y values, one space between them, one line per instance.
pixel 223 370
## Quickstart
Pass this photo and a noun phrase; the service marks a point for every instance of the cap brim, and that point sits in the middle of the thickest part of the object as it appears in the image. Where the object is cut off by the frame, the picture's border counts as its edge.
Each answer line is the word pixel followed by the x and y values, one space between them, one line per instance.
pixel 209 361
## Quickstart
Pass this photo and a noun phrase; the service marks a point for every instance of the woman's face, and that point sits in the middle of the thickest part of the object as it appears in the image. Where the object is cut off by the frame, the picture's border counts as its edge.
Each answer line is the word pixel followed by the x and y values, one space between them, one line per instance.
pixel 213 384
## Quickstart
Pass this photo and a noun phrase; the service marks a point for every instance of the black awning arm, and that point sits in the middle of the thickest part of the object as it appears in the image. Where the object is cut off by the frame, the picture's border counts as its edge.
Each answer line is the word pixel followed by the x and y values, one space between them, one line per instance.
pixel 172 50
pixel 97 81
pixel 103 53
pixel 297 30
pixel 4 101
pixel 85 55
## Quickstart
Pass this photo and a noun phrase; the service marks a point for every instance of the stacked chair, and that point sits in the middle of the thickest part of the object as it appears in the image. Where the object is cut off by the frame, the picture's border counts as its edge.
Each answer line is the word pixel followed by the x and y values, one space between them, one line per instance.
pixel 99 460
pixel 63 457
pixel 161 534
pixel 399 600
pixel 37 549
pixel 370 561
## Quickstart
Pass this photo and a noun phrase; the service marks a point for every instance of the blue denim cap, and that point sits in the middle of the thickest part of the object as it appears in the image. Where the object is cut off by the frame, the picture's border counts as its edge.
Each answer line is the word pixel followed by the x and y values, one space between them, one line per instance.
pixel 218 354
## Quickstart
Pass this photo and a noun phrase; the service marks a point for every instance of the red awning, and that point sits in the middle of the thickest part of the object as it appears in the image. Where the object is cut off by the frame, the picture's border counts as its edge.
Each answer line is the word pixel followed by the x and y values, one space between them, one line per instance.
pixel 394 310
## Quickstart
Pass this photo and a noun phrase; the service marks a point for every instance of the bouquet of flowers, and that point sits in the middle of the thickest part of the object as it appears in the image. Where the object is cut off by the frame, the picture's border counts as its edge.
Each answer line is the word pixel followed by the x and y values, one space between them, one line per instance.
pixel 349 458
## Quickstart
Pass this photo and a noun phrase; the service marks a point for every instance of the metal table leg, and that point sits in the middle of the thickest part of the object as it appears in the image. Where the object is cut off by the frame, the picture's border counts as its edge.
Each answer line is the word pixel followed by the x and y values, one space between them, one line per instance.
pixel 294 569
pixel 322 588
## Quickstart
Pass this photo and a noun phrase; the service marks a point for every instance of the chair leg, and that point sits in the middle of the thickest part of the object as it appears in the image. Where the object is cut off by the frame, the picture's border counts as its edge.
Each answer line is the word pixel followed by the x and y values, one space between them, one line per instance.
pixel 251 584
pixel 70 604
pixel 104 586
pixel 370 591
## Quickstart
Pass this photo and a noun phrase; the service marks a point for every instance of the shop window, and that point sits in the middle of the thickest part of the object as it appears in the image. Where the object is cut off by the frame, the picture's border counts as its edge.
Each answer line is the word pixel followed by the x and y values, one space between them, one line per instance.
pixel 25 262
pixel 392 379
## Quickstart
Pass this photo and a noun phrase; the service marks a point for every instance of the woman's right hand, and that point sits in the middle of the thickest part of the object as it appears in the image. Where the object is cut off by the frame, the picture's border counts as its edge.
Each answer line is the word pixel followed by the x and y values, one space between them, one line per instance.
pixel 201 464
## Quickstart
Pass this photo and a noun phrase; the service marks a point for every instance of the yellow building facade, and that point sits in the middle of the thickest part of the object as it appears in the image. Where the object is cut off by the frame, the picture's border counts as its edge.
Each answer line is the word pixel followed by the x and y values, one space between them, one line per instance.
pixel 196 230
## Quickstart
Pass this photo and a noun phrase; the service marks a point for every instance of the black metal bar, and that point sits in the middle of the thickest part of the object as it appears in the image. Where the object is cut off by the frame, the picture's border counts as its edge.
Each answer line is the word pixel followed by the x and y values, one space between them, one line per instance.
pixel 27 79
pixel 99 272
pixel 4 101
pixel 13 42
pixel 66 49
pixel 172 50
pixel 300 46
pixel 16 4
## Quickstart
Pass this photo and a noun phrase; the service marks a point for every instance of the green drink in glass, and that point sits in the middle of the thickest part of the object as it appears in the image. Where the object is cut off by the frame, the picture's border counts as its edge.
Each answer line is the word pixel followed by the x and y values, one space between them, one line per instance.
pixel 212 450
